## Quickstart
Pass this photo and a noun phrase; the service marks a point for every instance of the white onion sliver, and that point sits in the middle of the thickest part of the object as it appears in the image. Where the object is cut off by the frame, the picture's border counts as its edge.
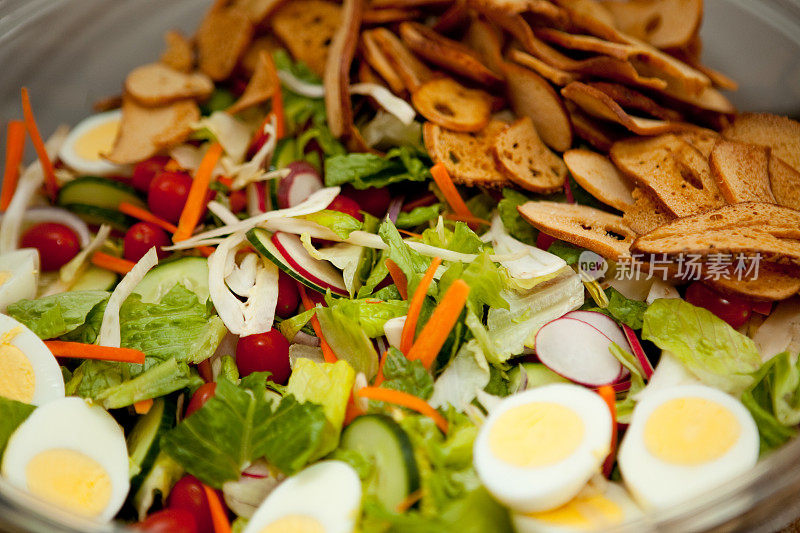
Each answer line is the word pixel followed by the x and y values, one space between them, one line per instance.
pixel 109 329
pixel 224 214
pixel 296 85
pixel 391 103
pixel 71 270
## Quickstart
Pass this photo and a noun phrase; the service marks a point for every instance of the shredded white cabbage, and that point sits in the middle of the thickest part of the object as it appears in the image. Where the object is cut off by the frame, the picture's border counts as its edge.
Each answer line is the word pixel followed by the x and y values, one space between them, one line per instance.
pixel 296 85
pixel 109 329
pixel 189 158
pixel 224 214
pixel 345 257
pixel 384 97
pixel 233 134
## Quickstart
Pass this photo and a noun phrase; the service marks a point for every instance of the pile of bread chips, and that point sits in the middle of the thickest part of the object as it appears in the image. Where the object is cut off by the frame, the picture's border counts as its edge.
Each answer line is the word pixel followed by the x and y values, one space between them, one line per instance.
pixel 521 93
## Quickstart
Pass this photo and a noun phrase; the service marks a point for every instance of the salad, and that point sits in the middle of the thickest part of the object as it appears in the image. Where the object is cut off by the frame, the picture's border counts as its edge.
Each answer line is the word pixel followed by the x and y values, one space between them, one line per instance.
pixel 401 265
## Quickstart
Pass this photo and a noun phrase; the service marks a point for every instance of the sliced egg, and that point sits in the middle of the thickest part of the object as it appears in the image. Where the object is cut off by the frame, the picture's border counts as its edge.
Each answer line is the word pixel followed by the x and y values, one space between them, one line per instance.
pixel 28 371
pixel 537 449
pixel 19 276
pixel 683 441
pixel 593 509
pixel 72 455
pixel 323 498
pixel 84 147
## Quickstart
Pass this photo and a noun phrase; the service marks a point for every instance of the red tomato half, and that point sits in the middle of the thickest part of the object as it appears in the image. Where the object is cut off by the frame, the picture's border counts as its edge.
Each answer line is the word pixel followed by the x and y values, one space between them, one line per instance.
pixel 57 244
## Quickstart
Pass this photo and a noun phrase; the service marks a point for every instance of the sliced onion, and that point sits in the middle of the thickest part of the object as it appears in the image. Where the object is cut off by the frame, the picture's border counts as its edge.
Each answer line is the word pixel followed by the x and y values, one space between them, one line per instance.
pixel 391 103
pixel 306 339
pixel 296 85
pixel 394 209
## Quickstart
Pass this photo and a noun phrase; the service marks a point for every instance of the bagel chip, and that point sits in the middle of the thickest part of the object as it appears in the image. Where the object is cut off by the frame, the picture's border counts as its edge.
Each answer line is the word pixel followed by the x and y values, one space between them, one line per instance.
pixel 307 28
pixel 598 176
pixel 157 84
pixel 449 104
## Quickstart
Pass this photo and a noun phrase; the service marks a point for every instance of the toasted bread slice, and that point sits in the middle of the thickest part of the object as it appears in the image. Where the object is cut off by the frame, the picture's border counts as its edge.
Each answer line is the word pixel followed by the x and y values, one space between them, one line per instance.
pixel 631 99
pixel 747 228
pixel 453 106
pixel 179 53
pixel 785 183
pixel 769 285
pixel 523 157
pixel 647 212
pixel 222 39
pixel 261 87
pixel 487 41
pixel 600 134
pixel 600 178
pixel 662 23
pixel 672 169
pixel 741 171
pixel 702 139
pixel 307 28
pixel 411 70
pixel 468 157
pixel 157 84
pixel 779 133
pixel 595 230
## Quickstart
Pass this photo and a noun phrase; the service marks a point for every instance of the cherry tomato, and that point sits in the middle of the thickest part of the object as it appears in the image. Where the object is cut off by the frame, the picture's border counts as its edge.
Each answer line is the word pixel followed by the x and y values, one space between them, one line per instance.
pixel 346 205
pixel 168 193
pixel 168 521
pixel 374 201
pixel 735 311
pixel 238 201
pixel 288 296
pixel 145 171
pixel 57 244
pixel 204 393
pixel 140 238
pixel 188 495
pixel 264 352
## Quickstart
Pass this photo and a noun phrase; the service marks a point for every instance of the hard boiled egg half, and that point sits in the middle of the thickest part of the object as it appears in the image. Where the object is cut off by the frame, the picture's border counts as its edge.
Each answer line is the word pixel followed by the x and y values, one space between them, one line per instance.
pixel 19 276
pixel 683 441
pixel 595 508
pixel 71 455
pixel 323 498
pixel 537 449
pixel 28 371
pixel 84 147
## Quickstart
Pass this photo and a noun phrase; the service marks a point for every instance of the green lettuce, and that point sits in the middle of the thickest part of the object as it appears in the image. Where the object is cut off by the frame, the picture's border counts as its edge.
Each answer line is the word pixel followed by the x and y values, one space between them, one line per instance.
pixel 340 223
pixel 622 309
pixel 370 170
pixel 53 316
pixel 159 380
pixel 412 263
pixel 460 239
pixel 462 378
pixel 407 376
pixel 348 341
pixel 14 413
pixel 567 252
pixel 484 279
pixel 711 349
pixel 518 227
pixel 370 313
pixel 418 216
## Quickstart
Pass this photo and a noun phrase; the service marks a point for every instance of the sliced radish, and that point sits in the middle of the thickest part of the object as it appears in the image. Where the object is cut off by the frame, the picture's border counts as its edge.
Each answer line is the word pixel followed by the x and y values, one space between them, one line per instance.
pixel 320 272
pixel 302 181
pixel 638 351
pixel 607 325
pixel 577 351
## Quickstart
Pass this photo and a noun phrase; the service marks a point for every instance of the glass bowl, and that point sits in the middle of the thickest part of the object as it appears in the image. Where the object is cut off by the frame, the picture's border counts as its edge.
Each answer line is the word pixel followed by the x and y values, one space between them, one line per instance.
pixel 70 53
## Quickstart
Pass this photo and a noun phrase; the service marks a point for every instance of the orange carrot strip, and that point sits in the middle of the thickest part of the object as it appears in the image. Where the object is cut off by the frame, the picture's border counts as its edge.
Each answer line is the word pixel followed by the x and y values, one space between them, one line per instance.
pixel 445 184
pixel 409 501
pixel 444 317
pixel 114 264
pixel 277 110
pixel 415 306
pixel 143 407
pixel 327 352
pixel 226 181
pixel 196 201
pixel 610 397
pixel 409 233
pixel 15 149
pixel 399 278
pixel 93 351
pixel 404 399
pixel 352 411
pixel 467 218
pixel 51 184
pixel 218 515
pixel 145 216
pixel 379 377
pixel 206 251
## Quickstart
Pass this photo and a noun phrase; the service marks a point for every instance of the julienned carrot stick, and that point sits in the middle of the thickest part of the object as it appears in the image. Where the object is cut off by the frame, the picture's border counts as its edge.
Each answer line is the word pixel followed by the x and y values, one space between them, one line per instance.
pixel 277 110
pixel 51 184
pixel 146 216
pixel 469 219
pixel 143 407
pixel 409 501
pixel 219 517
pixel 404 399
pixel 93 351
pixel 409 233
pixel 415 306
pixel 445 184
pixel 399 278
pixel 196 201
pixel 327 353
pixel 444 317
pixel 15 149
pixel 379 376
pixel 610 397
pixel 114 264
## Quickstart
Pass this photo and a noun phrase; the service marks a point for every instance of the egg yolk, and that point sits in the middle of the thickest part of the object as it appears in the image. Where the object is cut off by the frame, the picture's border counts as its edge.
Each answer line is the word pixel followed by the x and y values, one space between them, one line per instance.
pixel 536 434
pixel 96 141
pixel 17 379
pixel 294 524
pixel 4 276
pixel 690 431
pixel 584 512
pixel 69 479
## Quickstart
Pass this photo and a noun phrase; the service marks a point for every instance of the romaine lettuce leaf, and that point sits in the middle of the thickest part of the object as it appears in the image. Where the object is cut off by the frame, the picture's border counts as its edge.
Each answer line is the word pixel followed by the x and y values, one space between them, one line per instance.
pixel 622 309
pixel 56 315
pixel 460 239
pixel 159 380
pixel 14 413
pixel 567 252
pixel 462 378
pixel 518 227
pixel 348 341
pixel 711 349
pixel 294 434
pixel 484 280
pixel 406 376
pixel 370 170
pixel 418 216
pixel 370 313
pixel 412 263
pixel 340 223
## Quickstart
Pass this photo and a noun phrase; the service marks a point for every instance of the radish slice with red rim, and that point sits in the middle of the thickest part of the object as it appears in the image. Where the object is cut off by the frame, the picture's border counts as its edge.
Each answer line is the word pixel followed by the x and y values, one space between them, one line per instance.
pixel 577 351
pixel 607 326
pixel 317 271
pixel 302 181
pixel 638 351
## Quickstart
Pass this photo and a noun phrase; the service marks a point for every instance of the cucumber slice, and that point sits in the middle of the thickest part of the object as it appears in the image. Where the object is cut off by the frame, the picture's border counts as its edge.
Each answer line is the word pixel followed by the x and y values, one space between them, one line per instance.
pixel 262 242
pixel 95 279
pixel 387 447
pixel 192 272
pixel 99 192
pixel 95 216
pixel 538 375
pixel 143 439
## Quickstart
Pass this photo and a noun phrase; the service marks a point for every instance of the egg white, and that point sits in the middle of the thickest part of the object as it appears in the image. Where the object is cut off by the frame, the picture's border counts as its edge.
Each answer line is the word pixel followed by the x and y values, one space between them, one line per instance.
pixel 528 489
pixel 71 158
pixel 19 273
pixel 49 381
pixel 656 483
pixel 71 424
pixel 328 491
